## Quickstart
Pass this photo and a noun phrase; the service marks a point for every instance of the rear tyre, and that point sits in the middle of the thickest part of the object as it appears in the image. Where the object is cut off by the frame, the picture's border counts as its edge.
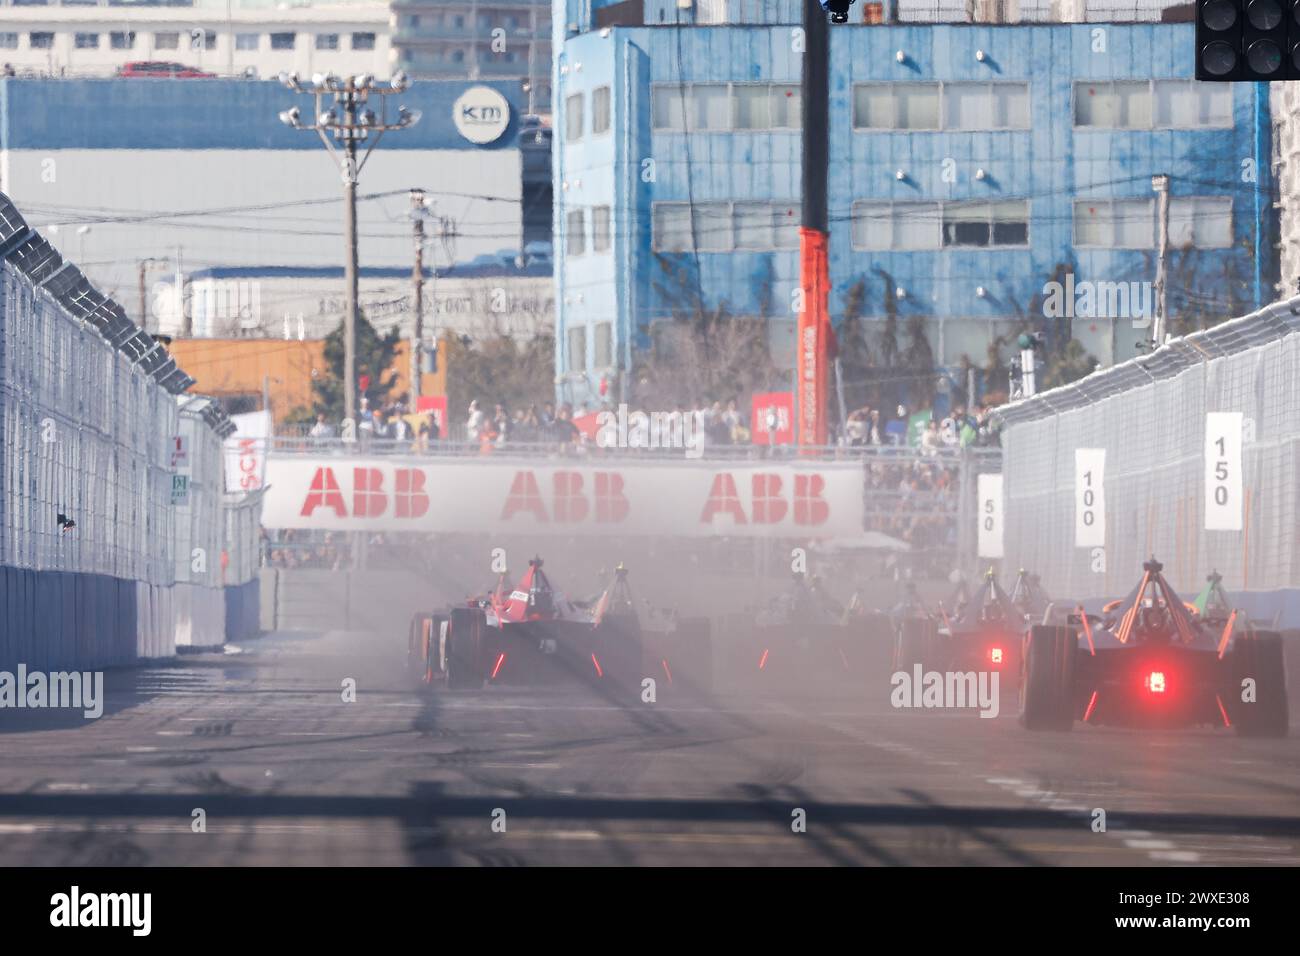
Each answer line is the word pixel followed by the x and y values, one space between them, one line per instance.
pixel 464 640
pixel 1047 700
pixel 416 648
pixel 1259 657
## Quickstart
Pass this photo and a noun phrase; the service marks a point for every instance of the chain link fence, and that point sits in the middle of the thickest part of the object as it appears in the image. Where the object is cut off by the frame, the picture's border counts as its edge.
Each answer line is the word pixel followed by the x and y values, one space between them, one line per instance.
pixel 1149 417
pixel 96 550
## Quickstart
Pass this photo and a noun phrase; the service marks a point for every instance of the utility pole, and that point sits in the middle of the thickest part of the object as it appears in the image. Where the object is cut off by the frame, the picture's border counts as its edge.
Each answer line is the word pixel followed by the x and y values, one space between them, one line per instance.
pixel 349 121
pixel 143 265
pixel 812 341
pixel 1160 184
pixel 417 279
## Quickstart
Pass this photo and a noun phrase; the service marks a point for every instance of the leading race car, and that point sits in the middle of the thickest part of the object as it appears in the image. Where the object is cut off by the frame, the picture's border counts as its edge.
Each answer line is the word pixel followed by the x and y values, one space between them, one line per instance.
pixel 534 635
pixel 1153 661
pixel 985 633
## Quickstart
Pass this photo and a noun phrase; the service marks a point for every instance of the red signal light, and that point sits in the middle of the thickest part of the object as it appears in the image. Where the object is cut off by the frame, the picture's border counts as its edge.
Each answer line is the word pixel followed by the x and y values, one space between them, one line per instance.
pixel 995 655
pixel 1155 682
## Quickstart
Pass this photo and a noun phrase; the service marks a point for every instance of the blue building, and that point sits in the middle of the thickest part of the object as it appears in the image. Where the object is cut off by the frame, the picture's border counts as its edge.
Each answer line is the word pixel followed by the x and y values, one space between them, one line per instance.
pixel 971 166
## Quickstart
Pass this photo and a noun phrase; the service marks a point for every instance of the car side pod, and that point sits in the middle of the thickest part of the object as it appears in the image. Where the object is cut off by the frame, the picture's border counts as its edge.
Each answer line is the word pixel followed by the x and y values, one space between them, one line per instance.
pixel 1047 702
pixel 1257 657
pixel 464 649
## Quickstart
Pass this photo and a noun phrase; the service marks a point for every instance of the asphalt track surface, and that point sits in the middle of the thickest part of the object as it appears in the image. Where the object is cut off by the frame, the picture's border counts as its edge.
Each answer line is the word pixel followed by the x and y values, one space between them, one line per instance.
pixel 287 773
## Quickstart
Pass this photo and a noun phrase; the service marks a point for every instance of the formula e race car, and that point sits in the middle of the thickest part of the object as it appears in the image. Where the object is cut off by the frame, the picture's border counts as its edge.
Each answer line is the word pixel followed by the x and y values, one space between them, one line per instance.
pixel 1028 596
pixel 1152 661
pixel 984 633
pixel 804 639
pixel 534 635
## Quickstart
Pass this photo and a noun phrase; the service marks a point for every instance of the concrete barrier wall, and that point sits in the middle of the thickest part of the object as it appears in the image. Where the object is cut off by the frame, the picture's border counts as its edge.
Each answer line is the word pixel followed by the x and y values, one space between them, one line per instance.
pixel 200 614
pixel 54 620
pixel 243 609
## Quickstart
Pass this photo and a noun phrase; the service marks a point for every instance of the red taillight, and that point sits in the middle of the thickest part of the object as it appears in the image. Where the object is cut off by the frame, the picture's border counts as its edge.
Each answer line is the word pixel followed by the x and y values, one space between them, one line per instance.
pixel 501 659
pixel 1092 702
pixel 995 655
pixel 762 661
pixel 1155 682
pixel 599 672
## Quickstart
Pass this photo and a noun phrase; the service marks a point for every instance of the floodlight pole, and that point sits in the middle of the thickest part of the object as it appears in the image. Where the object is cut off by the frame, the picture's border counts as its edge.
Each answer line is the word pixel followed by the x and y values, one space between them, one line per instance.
pixel 349 121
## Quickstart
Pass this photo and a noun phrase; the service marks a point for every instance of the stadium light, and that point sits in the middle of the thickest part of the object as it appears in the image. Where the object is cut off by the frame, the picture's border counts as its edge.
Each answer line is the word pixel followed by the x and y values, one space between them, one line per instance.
pixel 343 115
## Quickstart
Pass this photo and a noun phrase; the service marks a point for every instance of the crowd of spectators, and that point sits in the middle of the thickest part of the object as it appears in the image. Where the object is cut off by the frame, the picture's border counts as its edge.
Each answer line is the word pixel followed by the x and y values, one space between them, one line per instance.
pixel 290 548
pixel 958 429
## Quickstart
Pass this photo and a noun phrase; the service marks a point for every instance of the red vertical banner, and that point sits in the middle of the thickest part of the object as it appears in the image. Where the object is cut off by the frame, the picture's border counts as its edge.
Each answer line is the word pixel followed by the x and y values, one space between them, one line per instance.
pixel 814 337
pixel 778 405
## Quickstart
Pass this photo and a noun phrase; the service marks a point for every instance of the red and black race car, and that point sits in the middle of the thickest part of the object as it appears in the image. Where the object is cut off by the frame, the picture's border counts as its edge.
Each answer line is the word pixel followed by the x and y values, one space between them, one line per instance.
pixel 984 633
pixel 803 639
pixel 1152 661
pixel 534 635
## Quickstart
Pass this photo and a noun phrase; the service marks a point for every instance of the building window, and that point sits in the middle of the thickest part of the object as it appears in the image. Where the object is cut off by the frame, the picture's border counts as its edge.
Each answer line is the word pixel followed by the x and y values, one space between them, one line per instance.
pixel 85 41
pixel 576 242
pixel 1003 223
pixel 1124 105
pixel 600 110
pixel 1153 104
pixel 8 41
pixel 785 226
pixel 979 106
pixel 933 106
pixel 573 118
pixel 899 226
pixel 896 106
pixel 753 226
pixel 578 347
pixel 283 41
pixel 247 41
pixel 702 107
pixel 122 39
pixel 726 226
pixel 41 40
pixel 166 41
pixel 604 344
pixel 600 229
pixel 1204 222
pixel 672 227
pixel 765 106
pixel 363 41
pixel 327 41
pixel 203 39
pixel 1186 104
pixel 1115 223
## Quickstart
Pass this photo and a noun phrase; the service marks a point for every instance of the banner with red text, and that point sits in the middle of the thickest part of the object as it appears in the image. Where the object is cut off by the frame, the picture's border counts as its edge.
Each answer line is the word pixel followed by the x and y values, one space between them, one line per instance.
pixel 757 499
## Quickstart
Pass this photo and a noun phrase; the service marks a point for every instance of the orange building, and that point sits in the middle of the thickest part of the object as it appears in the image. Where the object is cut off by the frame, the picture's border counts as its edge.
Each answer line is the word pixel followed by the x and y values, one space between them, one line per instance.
pixel 237 370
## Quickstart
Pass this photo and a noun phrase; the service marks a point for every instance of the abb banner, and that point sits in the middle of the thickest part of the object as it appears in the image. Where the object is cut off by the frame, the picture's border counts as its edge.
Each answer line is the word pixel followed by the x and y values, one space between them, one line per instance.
pixel 754 499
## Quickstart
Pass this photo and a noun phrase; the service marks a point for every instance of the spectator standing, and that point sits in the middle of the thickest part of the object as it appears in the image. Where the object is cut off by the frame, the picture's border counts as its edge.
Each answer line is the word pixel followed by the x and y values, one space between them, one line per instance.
pixel 322 428
pixel 474 424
